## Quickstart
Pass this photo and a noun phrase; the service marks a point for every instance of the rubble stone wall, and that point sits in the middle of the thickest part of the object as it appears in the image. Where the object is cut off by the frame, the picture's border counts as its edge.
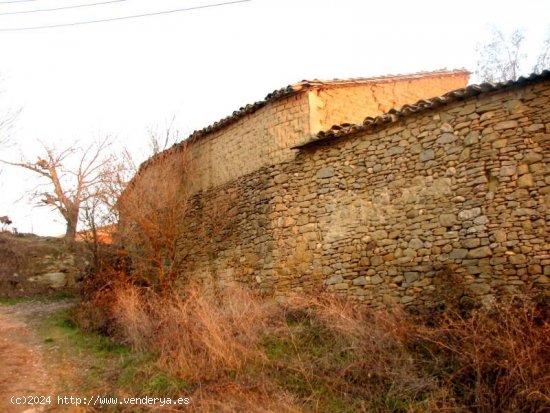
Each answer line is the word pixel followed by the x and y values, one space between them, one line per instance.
pixel 394 215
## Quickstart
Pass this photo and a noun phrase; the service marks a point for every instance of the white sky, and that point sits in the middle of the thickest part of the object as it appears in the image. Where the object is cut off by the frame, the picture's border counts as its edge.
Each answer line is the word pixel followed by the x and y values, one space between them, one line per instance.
pixel 120 78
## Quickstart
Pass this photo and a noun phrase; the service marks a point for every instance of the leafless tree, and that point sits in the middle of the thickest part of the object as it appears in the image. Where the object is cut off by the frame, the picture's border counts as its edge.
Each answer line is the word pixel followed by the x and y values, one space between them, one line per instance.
pixel 500 59
pixel 7 119
pixel 5 221
pixel 162 140
pixel 543 60
pixel 157 211
pixel 69 178
pixel 503 57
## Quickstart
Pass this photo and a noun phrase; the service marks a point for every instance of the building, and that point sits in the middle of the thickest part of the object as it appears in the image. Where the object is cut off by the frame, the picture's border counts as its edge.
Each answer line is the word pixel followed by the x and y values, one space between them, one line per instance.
pixel 382 189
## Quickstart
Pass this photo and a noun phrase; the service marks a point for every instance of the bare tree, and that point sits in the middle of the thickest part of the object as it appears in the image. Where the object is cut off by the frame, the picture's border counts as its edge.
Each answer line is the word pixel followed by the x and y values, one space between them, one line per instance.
pixel 543 60
pixel 162 140
pixel 157 211
pixel 151 210
pixel 5 221
pixel 500 59
pixel 503 58
pixel 70 177
pixel 7 119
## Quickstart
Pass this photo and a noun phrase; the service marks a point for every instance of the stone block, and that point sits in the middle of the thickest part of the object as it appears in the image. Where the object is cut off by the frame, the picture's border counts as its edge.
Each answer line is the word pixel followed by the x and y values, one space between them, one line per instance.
pixel 427 155
pixel 468 214
pixel 507 124
pixel 480 252
pixel 458 253
pixel 327 172
pixel 447 220
pixel 376 279
pixel 526 181
pixel 446 138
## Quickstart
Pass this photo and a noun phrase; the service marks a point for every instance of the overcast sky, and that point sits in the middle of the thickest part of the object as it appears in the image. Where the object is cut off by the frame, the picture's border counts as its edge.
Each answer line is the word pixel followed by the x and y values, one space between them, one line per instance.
pixel 120 78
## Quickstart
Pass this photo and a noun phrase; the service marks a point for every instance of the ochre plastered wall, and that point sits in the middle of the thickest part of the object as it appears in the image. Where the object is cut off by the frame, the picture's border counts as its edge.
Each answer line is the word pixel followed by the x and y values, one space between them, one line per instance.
pixel 352 103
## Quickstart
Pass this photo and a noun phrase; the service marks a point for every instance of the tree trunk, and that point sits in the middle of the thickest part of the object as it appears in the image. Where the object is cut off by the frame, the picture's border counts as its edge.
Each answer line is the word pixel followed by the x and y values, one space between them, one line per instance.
pixel 72 221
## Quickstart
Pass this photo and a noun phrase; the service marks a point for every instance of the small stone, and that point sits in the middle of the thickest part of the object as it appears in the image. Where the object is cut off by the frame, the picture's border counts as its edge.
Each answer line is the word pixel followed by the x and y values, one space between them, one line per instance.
pixel 360 281
pixel 379 234
pixel 281 178
pixel 481 220
pixel 406 299
pixel 535 269
pixel 487 116
pixel 389 300
pixel 325 172
pixel 532 157
pixel 523 169
pixel 500 236
pixel 458 253
pixel 499 143
pixel 480 252
pixel 526 181
pixel 508 170
pixel 464 155
pixel 517 259
pixel 427 155
pixel 471 243
pixel 446 138
pixel 469 213
pixel 445 127
pixel 334 280
pixel 394 151
pixel 480 288
pixel 447 220
pixel 507 124
pixel 416 244
pixel 472 138
pixel 535 127
pixel 376 280
pixel 411 277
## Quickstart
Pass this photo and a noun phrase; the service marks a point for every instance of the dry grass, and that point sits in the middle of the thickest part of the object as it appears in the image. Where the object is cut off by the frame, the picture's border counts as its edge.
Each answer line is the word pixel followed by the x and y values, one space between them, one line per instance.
pixel 491 360
pixel 199 336
pixel 237 351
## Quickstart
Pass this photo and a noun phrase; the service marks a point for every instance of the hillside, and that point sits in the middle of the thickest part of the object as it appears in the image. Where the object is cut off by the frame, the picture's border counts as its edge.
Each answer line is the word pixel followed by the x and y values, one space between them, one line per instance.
pixel 31 265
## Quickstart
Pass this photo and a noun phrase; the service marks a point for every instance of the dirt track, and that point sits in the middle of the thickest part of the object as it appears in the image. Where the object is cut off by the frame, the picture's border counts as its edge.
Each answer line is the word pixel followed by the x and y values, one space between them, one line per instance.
pixel 27 367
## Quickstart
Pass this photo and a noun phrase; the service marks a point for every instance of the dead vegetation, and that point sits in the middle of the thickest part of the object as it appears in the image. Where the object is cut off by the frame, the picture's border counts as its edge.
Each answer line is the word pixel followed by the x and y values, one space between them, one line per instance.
pixel 237 350
pixel 234 350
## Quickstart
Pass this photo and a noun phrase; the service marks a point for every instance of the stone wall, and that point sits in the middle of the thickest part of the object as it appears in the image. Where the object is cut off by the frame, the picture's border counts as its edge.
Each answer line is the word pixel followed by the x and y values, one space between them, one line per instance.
pixel 265 136
pixel 394 215
pixel 33 265
pixel 251 142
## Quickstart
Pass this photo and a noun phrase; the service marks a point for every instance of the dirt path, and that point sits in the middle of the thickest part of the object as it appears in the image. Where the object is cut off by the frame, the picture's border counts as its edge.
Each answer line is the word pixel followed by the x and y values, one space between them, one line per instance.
pixel 27 367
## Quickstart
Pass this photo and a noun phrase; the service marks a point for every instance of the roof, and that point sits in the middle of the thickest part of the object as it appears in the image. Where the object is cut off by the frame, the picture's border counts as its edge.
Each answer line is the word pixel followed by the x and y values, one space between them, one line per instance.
pixel 293 89
pixel 394 115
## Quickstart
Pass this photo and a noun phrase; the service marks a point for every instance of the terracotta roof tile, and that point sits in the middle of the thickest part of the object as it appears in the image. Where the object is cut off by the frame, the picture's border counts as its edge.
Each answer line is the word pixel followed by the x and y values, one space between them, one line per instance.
pixel 393 115
pixel 289 91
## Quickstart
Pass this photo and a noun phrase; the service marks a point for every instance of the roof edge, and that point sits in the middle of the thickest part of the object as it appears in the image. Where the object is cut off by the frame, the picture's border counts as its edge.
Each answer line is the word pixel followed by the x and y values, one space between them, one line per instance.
pixel 394 115
pixel 290 90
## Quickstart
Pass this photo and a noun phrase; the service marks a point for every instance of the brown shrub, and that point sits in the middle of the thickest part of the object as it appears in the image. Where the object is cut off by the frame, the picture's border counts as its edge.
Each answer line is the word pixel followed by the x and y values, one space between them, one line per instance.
pixel 241 352
pixel 491 360
pixel 197 336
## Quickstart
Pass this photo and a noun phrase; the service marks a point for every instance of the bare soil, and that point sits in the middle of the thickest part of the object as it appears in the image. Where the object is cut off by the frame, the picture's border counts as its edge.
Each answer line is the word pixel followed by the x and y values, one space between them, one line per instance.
pixel 27 365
